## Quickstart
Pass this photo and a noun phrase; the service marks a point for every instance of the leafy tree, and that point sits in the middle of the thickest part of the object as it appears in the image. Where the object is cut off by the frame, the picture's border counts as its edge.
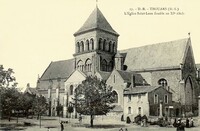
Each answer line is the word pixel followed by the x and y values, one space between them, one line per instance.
pixel 93 97
pixel 9 101
pixel 25 101
pixel 6 77
pixel 39 105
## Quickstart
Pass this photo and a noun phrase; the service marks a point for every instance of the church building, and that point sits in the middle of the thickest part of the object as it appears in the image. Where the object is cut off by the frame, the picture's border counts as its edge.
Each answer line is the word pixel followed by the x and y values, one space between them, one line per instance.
pixel 169 65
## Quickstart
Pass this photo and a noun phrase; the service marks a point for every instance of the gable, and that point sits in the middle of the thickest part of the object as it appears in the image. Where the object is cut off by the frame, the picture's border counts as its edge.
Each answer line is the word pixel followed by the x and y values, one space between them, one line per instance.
pixel 188 61
pixel 162 55
pixel 118 78
pixel 76 77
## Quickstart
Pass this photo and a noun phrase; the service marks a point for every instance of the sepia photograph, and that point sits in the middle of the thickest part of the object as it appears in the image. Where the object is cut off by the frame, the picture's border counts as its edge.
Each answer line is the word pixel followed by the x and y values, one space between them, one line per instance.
pixel 87 65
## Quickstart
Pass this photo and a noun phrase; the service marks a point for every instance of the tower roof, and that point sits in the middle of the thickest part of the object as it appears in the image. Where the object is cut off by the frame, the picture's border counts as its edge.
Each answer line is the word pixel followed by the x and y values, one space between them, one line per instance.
pixel 96 20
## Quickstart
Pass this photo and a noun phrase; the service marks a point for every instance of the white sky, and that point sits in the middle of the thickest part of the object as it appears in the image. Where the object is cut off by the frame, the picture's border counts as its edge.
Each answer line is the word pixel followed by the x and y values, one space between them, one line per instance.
pixel 35 32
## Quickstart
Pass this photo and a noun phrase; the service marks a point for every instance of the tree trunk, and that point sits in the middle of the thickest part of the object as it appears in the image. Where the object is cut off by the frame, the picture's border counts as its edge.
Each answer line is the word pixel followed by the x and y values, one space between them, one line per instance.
pixel 9 115
pixel 91 120
pixel 38 116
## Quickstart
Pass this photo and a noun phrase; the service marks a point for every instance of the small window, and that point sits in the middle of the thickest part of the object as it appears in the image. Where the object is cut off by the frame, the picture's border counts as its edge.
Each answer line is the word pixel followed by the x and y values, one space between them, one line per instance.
pixel 162 82
pixel 114 79
pixel 129 110
pixel 166 99
pixel 129 98
pixel 156 99
pixel 139 110
pixel 71 90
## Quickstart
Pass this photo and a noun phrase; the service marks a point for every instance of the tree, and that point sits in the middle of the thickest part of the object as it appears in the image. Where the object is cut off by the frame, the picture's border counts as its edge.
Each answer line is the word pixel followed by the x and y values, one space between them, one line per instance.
pixel 25 101
pixel 9 97
pixel 93 97
pixel 6 77
pixel 39 105
pixel 8 93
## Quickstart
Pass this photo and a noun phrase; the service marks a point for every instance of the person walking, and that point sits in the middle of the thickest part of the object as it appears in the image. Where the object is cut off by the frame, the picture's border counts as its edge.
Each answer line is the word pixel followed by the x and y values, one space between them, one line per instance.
pixel 187 123
pixel 61 126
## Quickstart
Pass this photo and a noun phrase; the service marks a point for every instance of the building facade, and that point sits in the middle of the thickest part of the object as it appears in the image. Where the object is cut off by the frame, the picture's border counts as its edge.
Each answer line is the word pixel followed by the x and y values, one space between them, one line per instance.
pixel 168 64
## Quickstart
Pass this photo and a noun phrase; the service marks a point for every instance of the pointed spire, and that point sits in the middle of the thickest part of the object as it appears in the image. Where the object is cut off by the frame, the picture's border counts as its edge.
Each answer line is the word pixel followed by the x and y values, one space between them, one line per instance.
pixel 96 20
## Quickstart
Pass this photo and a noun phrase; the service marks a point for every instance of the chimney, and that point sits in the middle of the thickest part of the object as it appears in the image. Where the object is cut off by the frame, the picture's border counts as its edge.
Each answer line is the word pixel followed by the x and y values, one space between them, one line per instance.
pixel 132 81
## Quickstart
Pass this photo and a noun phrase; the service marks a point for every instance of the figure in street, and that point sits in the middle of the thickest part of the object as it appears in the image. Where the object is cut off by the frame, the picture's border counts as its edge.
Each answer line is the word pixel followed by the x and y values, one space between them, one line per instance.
pixel 61 126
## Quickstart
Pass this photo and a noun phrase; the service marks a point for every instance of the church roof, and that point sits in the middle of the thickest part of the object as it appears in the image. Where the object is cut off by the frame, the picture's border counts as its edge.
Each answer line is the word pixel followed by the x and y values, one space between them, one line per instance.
pixel 127 75
pixel 162 55
pixel 62 69
pixel 140 89
pixel 96 20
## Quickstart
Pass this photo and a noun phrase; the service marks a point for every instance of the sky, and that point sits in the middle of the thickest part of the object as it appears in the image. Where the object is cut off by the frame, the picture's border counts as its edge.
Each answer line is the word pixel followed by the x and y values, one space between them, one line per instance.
pixel 35 32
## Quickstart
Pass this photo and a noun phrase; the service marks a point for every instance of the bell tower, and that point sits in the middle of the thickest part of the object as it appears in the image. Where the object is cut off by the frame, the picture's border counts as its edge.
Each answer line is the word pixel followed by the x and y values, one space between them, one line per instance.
pixel 96 44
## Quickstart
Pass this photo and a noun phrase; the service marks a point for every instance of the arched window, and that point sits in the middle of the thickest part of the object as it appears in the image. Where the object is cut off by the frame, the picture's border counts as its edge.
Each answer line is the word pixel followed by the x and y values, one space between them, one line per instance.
pixel 100 44
pixel 104 65
pixel 129 110
pixel 104 44
pixel 189 94
pixel 78 47
pixel 110 46
pixel 71 90
pixel 88 65
pixel 91 44
pixel 115 96
pixel 87 45
pixel 113 47
pixel 139 110
pixel 82 46
pixel 80 65
pixel 162 82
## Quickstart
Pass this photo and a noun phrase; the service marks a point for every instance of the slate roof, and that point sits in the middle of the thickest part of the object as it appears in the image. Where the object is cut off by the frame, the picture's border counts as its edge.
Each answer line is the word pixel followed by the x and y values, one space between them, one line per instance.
pixel 127 75
pixel 140 89
pixel 62 69
pixel 96 20
pixel 161 55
